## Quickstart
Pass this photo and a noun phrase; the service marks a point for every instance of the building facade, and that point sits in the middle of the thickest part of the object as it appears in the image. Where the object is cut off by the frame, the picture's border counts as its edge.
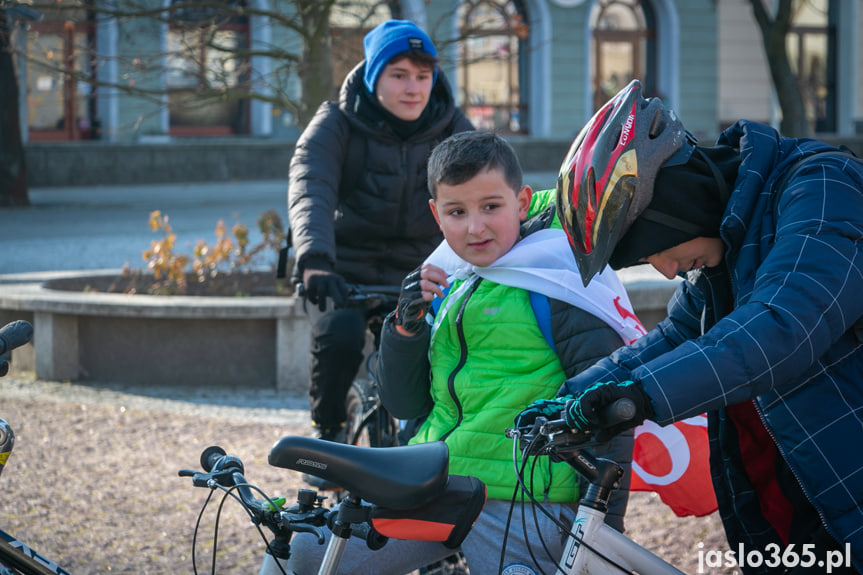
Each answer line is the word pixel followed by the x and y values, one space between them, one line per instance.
pixel 528 68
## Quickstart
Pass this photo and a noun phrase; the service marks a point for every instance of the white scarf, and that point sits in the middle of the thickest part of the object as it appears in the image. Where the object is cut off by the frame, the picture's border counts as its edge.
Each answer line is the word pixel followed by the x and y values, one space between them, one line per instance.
pixel 543 263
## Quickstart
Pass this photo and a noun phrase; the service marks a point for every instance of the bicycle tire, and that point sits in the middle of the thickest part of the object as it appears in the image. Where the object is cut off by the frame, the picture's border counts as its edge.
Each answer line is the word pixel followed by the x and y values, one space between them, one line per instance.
pixel 368 423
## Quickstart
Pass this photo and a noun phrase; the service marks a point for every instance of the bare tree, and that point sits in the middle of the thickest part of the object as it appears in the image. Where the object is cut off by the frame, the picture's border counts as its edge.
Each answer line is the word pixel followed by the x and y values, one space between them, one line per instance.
pixel 774 32
pixel 310 60
pixel 13 165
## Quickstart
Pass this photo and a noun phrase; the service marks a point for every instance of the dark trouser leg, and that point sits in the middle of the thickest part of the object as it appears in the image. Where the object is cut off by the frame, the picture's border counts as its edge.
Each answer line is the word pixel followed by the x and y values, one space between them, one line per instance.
pixel 338 338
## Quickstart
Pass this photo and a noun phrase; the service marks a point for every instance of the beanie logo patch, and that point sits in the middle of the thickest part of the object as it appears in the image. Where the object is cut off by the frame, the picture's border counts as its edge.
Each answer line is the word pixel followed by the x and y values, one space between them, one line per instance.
pixel 415 43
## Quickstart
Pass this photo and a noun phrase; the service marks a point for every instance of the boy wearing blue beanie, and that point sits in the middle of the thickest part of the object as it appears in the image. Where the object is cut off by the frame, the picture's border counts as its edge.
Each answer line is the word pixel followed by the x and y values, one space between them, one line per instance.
pixel 393 38
pixel 358 198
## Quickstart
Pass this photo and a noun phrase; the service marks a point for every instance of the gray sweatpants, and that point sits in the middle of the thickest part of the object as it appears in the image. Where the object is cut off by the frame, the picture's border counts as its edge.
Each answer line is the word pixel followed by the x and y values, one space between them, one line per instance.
pixel 481 548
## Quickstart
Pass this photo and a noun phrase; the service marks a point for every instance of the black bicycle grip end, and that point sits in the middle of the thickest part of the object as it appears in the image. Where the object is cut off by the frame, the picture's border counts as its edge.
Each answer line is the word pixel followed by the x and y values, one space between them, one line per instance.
pixel 211 456
pixel 620 411
pixel 14 335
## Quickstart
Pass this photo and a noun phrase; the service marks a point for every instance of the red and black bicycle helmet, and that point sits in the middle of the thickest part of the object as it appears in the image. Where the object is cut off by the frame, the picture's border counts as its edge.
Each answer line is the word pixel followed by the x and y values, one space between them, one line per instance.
pixel 606 180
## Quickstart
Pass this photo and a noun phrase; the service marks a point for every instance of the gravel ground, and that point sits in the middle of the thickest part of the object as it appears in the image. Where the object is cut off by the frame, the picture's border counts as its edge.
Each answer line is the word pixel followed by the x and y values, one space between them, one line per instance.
pixel 93 484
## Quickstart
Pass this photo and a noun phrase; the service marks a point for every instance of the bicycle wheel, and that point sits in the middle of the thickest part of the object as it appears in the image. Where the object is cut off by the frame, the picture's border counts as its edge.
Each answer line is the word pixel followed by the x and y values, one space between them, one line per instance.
pixel 368 423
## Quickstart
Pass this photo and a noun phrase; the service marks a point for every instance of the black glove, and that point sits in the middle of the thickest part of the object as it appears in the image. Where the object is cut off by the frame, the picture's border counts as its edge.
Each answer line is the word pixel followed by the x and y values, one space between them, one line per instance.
pixel 584 412
pixel 548 408
pixel 321 282
pixel 412 308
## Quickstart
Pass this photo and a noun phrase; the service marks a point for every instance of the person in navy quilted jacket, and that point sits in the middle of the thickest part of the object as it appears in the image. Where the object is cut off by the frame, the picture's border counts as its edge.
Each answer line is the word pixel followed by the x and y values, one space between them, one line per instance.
pixel 764 333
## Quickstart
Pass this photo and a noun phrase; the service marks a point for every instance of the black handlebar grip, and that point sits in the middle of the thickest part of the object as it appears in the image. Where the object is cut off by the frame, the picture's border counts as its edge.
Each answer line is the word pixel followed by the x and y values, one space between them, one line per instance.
pixel 620 411
pixel 14 335
pixel 211 456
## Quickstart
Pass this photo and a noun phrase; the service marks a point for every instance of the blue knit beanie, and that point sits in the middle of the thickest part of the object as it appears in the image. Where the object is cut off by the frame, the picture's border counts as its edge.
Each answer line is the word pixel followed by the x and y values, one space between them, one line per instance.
pixel 389 39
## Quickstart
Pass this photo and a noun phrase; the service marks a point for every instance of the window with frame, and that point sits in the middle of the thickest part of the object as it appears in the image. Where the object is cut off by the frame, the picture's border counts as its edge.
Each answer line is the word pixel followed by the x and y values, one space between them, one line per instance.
pixel 493 64
pixel 61 73
pixel 349 23
pixel 623 47
pixel 811 52
pixel 207 70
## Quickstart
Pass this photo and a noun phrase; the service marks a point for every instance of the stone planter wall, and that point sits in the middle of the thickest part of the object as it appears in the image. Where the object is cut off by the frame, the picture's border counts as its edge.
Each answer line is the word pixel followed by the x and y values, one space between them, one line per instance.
pixel 176 340
pixel 186 340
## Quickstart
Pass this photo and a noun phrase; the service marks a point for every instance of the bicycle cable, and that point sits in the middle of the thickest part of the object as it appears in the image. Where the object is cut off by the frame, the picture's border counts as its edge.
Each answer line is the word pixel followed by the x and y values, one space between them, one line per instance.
pixel 519 487
pixel 229 493
pixel 566 528
pixel 534 505
pixel 506 531
pixel 548 552
pixel 197 526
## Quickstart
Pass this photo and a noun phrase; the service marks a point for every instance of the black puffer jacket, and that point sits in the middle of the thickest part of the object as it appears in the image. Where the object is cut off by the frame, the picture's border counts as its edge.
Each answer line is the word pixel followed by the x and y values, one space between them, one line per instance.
pixel 382 227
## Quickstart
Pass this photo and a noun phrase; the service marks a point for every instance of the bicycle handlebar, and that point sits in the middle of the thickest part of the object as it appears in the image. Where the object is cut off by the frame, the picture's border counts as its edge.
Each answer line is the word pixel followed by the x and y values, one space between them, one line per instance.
pixel 12 335
pixel 226 471
pixel 546 435
pixel 364 296
pixel 613 414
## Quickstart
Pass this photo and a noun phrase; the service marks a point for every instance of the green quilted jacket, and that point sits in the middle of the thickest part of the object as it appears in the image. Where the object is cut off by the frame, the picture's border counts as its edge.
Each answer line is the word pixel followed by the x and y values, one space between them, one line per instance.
pixel 476 395
pixel 484 360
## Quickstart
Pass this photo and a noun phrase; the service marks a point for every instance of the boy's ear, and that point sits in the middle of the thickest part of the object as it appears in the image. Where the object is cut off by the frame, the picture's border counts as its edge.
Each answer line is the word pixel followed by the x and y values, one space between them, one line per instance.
pixel 434 212
pixel 525 194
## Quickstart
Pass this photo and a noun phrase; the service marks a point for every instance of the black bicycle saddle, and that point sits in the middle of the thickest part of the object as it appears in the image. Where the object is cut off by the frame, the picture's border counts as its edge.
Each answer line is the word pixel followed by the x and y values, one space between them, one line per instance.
pixel 394 477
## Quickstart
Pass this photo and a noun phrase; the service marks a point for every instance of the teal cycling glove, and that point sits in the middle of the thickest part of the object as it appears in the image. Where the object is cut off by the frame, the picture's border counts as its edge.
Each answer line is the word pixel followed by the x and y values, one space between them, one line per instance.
pixel 547 408
pixel 584 412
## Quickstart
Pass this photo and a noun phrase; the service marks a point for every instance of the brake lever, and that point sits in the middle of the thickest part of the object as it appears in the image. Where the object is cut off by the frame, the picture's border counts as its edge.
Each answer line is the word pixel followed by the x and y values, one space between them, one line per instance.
pixel 306 528
pixel 203 479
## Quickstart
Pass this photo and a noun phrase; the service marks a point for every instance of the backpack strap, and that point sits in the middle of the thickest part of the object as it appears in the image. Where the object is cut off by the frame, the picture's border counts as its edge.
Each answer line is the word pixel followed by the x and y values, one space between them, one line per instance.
pixel 542 311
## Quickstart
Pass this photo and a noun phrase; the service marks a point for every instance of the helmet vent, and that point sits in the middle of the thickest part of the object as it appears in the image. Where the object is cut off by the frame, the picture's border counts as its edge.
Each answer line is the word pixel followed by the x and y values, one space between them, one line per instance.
pixel 613 142
pixel 657 126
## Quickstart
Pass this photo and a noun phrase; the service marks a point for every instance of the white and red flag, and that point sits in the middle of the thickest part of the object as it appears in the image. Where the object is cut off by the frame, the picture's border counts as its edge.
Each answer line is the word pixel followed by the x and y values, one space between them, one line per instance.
pixel 673 462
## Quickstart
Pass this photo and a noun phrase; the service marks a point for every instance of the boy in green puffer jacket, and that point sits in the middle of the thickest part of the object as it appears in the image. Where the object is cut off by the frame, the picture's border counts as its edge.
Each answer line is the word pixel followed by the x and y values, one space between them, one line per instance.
pixel 495 315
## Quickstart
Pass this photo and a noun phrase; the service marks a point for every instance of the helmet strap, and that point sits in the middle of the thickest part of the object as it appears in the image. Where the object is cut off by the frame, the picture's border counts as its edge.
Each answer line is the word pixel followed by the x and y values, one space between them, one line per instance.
pixel 721 185
pixel 672 222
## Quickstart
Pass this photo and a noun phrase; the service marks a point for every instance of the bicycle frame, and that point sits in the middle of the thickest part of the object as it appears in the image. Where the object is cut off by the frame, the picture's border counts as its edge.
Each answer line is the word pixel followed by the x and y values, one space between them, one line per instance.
pixel 592 534
pixel 379 503
pixel 13 553
pixel 593 546
pixel 17 555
